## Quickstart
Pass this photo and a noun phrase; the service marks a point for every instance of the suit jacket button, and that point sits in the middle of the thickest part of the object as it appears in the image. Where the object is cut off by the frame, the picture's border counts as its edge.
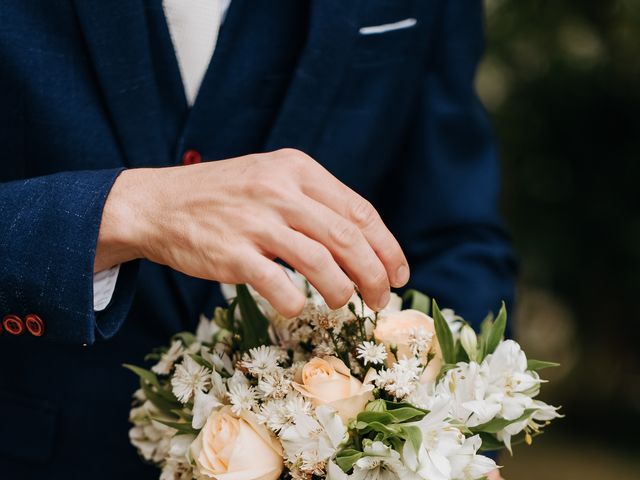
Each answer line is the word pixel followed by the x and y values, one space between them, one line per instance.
pixel 191 157
pixel 34 324
pixel 13 324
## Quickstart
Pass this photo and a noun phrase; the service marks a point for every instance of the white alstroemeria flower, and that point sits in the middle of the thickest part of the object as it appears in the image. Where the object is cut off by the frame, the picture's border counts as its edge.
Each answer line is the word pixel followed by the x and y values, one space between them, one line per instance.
pixel 188 378
pixel 165 364
pixel 467 465
pixel 174 469
pixel 454 321
pixel 468 387
pixel 322 434
pixel 508 376
pixel 206 330
pixel 543 413
pixel 440 440
pixel 151 438
pixel 372 352
pixel 380 462
pixel 205 403
pixel 179 446
pixel 220 360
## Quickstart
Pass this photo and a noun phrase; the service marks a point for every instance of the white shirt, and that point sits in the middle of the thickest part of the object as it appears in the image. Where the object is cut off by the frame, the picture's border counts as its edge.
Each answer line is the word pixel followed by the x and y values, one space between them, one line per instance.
pixel 194 27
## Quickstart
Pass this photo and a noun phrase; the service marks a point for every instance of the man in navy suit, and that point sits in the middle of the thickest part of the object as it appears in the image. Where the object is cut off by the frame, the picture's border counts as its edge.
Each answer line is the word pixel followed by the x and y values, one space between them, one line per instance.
pixel 105 169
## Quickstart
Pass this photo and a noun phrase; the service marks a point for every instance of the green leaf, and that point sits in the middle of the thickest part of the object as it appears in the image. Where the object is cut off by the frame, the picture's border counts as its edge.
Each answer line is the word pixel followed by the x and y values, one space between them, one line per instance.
pixel 181 427
pixel 369 417
pixel 496 334
pixel 413 434
pixel 161 403
pixel 490 442
pixel 443 332
pixel 395 405
pixel 201 361
pixel 460 353
pixel 406 414
pixel 146 375
pixel 540 364
pixel 187 338
pixel 378 405
pixel 254 325
pixel 418 300
pixel 347 458
pixel 497 424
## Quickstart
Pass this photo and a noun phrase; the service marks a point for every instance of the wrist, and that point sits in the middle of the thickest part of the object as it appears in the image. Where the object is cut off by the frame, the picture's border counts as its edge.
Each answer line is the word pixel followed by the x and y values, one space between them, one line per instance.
pixel 121 236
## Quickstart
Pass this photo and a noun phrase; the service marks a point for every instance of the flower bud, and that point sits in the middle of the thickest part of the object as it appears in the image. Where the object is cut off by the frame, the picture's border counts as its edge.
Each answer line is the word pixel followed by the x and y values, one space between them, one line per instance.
pixel 469 342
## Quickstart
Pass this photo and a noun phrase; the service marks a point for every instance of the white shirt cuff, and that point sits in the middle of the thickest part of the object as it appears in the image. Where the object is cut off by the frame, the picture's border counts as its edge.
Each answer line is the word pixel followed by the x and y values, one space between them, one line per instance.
pixel 104 284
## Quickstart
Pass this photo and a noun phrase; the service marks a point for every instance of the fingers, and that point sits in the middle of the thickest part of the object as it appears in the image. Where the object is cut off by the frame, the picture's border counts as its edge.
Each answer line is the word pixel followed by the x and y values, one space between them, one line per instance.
pixel 347 203
pixel 313 260
pixel 347 245
pixel 270 280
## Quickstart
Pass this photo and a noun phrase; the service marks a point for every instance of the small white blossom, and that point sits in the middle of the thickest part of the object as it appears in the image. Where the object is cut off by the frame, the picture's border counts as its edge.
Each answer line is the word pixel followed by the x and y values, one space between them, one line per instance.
pixel 242 395
pixel 402 379
pixel 371 352
pixel 165 364
pixel 275 384
pixel 420 341
pixel 261 360
pixel 188 378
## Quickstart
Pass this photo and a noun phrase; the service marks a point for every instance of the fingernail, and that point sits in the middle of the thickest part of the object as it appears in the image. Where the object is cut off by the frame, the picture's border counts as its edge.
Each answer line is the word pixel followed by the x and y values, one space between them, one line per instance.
pixel 402 275
pixel 384 300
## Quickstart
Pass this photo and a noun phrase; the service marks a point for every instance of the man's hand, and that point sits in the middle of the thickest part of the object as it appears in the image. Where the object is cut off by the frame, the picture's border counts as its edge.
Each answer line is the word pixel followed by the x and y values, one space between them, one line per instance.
pixel 228 220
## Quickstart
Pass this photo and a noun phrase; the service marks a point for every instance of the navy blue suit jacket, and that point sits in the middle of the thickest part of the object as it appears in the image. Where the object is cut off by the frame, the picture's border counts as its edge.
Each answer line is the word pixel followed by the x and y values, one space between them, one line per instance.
pixel 90 87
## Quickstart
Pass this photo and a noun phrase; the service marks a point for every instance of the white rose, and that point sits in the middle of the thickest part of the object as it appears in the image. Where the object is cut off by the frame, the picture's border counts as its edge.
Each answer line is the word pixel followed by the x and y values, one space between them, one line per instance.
pixel 236 448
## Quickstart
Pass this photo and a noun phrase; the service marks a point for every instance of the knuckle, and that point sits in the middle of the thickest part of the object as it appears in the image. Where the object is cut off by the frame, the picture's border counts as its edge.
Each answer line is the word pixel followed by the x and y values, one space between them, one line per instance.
pixel 316 258
pixel 294 159
pixel 344 234
pixel 362 212
pixel 378 277
pixel 267 278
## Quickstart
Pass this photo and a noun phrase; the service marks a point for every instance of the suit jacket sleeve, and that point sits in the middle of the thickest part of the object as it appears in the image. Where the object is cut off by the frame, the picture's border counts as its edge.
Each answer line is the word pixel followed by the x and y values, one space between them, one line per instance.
pixel 48 235
pixel 446 182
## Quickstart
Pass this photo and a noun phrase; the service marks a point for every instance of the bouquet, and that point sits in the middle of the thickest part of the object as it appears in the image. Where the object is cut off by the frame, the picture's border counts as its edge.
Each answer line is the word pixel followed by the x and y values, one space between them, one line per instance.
pixel 346 394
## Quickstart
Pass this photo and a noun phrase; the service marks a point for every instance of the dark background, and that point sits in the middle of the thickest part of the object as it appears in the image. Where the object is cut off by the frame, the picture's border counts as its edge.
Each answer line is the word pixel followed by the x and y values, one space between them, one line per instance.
pixel 561 81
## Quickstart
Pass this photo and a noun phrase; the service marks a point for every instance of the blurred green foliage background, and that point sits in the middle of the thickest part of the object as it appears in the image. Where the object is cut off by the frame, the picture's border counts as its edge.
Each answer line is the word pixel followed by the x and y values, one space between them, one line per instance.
pixel 561 80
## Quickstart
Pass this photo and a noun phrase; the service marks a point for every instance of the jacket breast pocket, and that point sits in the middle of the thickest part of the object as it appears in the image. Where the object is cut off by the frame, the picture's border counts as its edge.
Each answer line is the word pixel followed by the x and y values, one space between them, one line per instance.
pixel 388 31
pixel 28 428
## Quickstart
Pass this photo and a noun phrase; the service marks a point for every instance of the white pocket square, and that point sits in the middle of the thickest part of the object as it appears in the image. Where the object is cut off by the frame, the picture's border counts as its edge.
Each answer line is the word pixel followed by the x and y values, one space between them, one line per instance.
pixel 388 27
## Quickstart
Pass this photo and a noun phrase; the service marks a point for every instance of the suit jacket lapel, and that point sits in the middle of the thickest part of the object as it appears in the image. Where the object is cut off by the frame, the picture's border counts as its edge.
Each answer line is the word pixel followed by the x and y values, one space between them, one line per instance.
pixel 333 29
pixel 118 44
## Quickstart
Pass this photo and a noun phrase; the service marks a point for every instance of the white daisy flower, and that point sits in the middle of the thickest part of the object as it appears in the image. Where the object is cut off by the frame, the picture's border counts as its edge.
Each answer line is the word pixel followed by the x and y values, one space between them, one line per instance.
pixel 188 378
pixel 171 356
pixel 242 396
pixel 371 352
pixel 274 415
pixel 402 379
pixel 420 341
pixel 261 360
pixel 275 384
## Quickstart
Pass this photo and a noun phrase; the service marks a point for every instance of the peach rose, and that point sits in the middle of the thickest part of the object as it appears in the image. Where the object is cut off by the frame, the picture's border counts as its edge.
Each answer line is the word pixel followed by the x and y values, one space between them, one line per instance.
pixel 395 329
pixel 236 448
pixel 328 381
